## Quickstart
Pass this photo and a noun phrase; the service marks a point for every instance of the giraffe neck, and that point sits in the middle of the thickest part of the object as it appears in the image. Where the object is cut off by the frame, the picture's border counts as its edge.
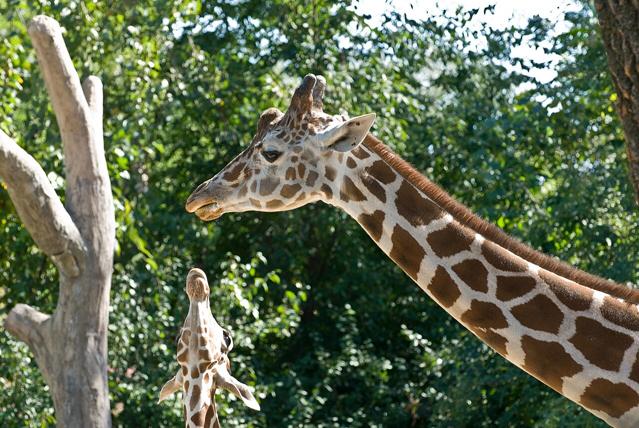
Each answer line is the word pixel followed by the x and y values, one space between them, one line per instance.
pixel 580 341
pixel 199 397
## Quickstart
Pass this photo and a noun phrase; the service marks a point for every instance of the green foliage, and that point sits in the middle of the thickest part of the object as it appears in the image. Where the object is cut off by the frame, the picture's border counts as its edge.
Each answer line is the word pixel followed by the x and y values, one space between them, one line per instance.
pixel 327 329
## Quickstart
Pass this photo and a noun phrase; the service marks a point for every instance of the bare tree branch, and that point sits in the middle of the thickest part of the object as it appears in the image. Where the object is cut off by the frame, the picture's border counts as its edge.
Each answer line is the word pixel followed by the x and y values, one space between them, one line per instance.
pixel 25 323
pixel 88 196
pixel 92 88
pixel 64 88
pixel 40 208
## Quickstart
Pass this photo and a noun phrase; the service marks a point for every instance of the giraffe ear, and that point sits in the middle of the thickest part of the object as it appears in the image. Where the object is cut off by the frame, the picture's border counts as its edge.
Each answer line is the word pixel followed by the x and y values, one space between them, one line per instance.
pixel 174 384
pixel 348 135
pixel 223 379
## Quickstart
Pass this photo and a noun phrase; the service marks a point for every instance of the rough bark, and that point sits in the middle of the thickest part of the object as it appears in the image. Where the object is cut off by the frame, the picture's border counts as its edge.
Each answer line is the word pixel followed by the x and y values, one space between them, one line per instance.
pixel 619 22
pixel 70 345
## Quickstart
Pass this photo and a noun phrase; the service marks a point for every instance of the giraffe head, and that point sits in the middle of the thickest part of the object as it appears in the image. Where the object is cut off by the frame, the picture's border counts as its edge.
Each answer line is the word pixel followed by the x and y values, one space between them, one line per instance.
pixel 202 353
pixel 291 161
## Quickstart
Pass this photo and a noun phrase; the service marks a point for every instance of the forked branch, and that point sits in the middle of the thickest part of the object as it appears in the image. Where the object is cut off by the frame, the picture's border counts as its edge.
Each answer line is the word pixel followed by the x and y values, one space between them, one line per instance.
pixel 39 208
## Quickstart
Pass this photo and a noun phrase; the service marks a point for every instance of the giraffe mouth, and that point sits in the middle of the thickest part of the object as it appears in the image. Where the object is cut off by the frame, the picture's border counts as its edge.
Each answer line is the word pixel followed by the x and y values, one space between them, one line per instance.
pixel 209 212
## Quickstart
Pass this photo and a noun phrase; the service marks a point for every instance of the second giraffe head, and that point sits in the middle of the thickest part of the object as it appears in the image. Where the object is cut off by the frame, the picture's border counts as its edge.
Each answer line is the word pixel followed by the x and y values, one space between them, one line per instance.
pixel 202 353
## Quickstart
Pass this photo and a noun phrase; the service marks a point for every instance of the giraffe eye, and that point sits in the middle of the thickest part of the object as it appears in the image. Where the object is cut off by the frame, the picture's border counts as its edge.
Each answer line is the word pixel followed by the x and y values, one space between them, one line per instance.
pixel 228 341
pixel 271 155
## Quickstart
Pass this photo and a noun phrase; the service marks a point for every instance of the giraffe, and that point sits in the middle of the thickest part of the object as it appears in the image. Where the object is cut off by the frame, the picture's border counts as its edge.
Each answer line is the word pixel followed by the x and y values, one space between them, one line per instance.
pixel 575 332
pixel 203 348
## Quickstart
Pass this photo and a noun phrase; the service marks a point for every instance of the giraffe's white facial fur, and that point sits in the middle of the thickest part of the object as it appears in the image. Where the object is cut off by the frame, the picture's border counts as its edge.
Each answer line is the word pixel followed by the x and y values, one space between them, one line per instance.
pixel 290 162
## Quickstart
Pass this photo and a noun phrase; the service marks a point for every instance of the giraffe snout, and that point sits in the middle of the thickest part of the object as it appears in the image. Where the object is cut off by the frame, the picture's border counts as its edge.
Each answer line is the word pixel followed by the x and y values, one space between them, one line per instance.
pixel 199 197
pixel 197 286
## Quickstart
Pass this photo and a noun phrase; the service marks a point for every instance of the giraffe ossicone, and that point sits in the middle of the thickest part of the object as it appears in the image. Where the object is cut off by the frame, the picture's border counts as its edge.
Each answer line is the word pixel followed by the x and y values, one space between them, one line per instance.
pixel 575 332
pixel 202 353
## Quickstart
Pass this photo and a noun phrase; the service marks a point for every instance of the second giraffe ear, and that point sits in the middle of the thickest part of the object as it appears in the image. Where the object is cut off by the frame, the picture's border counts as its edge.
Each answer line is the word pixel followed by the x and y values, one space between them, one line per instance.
pixel 224 380
pixel 174 384
pixel 348 135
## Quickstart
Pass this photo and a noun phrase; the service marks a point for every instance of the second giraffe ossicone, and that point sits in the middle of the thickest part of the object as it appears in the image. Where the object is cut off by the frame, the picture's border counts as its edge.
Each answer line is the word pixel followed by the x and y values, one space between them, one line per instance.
pixel 202 353
pixel 577 333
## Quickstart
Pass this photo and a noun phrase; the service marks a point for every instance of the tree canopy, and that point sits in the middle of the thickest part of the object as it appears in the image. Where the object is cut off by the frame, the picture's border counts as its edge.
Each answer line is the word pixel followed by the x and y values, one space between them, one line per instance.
pixel 327 330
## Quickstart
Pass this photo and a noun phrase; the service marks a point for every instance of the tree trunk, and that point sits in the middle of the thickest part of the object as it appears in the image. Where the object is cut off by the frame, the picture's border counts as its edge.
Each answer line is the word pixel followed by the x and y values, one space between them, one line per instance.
pixel 70 346
pixel 619 22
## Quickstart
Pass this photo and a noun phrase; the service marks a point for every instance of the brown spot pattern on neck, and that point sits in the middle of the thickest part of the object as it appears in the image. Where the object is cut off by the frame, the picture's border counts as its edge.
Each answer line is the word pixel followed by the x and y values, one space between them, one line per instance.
pixel 491 232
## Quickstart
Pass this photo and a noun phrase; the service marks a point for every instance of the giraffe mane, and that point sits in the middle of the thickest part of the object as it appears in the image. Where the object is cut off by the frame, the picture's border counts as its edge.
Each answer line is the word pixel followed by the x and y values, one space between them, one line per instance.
pixel 465 216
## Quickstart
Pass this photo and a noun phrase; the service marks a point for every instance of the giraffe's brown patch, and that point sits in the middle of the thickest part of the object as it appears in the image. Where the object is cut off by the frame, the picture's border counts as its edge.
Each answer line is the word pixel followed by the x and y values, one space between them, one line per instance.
pixel 416 209
pixel 373 223
pixel 406 251
pixel 374 187
pixel 382 172
pixel 452 239
pixel 289 190
pixel 297 149
pixel 234 172
pixel 634 373
pixel 443 288
pixel 310 158
pixel 243 191
pixel 600 345
pixel 312 177
pixel 195 372
pixel 548 361
pixel 511 287
pixel 195 395
pixel 492 339
pixel 326 189
pixel 502 259
pixel 621 313
pixel 473 273
pixel 539 313
pixel 351 163
pixel 210 416
pixel 205 355
pixel 330 173
pixel 203 366
pixel 301 170
pixel 185 371
pixel 274 204
pixel 268 185
pixel 360 153
pixel 207 378
pixel 290 173
pixel 202 341
pixel 350 192
pixel 186 385
pixel 484 315
pixel 574 297
pixel 254 186
pixel 182 357
pixel 199 417
pixel 612 398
